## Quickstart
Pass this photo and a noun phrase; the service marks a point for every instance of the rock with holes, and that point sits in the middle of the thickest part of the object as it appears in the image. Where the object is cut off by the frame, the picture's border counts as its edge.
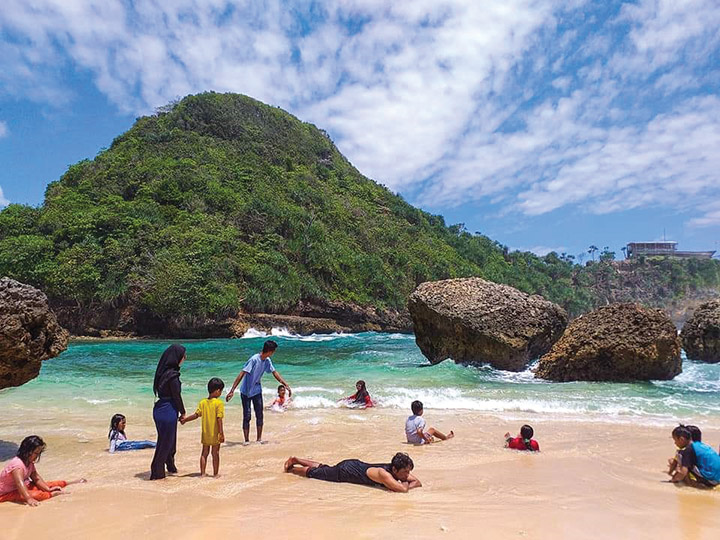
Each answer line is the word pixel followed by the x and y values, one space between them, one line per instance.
pixel 701 333
pixel 472 320
pixel 29 332
pixel 619 342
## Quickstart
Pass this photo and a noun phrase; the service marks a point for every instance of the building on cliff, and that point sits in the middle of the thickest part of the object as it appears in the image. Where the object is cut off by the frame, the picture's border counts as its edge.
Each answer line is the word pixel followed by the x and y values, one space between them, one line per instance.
pixel 663 249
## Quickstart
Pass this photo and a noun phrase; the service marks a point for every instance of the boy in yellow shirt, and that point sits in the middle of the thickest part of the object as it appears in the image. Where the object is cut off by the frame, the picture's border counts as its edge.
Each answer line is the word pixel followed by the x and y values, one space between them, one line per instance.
pixel 212 411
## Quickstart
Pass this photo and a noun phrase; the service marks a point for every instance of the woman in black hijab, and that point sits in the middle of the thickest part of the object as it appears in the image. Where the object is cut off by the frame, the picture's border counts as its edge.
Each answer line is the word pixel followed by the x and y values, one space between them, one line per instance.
pixel 167 409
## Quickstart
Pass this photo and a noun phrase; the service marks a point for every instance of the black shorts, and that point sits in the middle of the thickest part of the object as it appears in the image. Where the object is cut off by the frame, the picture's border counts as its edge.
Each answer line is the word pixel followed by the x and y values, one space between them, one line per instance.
pixel 324 472
pixel 701 479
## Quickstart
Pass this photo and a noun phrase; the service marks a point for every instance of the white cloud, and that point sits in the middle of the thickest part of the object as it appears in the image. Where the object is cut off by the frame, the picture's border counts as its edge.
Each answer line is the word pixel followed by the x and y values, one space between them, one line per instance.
pixel 523 101
pixel 4 130
pixel 3 200
pixel 541 251
pixel 710 216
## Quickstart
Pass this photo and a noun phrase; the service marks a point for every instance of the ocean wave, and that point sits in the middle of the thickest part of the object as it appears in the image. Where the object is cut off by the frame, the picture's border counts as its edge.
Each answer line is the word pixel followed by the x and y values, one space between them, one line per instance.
pixel 314 402
pixel 253 333
pixel 301 389
pixel 98 401
pixel 283 332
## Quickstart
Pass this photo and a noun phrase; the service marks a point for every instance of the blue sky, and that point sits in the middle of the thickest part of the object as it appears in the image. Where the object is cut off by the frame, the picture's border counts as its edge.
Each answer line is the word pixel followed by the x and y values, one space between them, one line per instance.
pixel 543 124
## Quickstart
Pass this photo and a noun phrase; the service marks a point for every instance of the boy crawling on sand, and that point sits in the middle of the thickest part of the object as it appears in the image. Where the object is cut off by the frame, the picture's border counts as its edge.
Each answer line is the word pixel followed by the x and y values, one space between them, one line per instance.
pixel 415 427
pixel 698 464
pixel 674 462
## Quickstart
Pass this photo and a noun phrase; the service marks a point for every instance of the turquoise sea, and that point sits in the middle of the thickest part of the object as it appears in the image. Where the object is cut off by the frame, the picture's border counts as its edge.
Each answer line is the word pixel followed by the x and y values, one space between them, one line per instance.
pixel 116 376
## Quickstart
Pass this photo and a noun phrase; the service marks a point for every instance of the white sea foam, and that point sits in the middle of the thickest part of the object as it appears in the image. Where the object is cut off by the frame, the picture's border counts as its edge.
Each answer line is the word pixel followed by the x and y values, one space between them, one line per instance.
pixel 98 401
pixel 314 402
pixel 283 332
pixel 253 333
pixel 305 389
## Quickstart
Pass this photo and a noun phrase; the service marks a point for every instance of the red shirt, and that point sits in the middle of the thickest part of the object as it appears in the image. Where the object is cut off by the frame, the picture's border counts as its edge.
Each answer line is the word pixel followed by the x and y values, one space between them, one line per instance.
pixel 518 444
pixel 368 401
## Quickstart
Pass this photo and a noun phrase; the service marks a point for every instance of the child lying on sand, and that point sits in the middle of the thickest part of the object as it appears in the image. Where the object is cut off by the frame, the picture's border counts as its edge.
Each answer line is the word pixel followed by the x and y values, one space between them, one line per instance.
pixel 524 441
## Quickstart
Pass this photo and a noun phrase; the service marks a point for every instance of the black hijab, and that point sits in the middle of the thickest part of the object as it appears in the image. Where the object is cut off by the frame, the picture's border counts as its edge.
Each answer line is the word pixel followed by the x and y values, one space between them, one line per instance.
pixel 168 367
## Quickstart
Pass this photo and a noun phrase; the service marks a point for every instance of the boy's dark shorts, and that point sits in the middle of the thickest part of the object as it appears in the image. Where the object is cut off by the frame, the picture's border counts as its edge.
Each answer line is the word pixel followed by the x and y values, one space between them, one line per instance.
pixel 324 472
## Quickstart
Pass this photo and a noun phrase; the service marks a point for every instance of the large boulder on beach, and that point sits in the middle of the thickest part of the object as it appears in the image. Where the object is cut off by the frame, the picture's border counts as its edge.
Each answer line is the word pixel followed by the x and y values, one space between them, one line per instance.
pixel 700 335
pixel 619 342
pixel 29 332
pixel 472 320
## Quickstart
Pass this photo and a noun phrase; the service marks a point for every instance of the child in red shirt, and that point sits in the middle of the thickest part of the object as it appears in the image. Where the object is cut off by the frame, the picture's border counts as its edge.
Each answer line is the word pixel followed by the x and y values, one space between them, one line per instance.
pixel 524 441
pixel 361 398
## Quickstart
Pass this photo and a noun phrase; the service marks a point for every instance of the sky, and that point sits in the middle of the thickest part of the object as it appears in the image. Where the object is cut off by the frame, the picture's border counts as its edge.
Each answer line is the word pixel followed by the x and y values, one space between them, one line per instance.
pixel 546 125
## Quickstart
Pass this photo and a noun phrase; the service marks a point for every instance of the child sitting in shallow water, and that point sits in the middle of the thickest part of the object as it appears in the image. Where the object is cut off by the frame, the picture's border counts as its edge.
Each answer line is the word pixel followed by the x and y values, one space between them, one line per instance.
pixel 281 401
pixel 20 482
pixel 524 441
pixel 360 399
pixel 415 427
pixel 118 439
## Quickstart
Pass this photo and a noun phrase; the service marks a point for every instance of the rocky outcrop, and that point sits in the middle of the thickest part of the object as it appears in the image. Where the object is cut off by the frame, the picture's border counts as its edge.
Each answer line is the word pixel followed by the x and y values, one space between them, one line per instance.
pixel 29 332
pixel 619 342
pixel 700 335
pixel 475 321
pixel 306 318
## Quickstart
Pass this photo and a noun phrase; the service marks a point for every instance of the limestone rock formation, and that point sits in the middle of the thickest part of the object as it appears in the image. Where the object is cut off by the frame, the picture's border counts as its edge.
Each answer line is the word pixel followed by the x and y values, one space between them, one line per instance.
pixel 29 332
pixel 475 321
pixel 700 335
pixel 619 342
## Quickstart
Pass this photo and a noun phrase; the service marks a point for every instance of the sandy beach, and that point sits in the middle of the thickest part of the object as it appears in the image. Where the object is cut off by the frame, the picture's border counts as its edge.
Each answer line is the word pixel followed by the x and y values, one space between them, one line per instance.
pixel 591 480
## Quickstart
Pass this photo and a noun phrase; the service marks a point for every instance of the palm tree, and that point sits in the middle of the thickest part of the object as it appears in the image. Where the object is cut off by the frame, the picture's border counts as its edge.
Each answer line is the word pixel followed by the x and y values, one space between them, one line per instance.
pixel 592 250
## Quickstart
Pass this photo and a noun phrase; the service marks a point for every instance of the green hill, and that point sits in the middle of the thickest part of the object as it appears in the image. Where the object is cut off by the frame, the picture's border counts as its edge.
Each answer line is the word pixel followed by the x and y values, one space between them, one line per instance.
pixel 220 203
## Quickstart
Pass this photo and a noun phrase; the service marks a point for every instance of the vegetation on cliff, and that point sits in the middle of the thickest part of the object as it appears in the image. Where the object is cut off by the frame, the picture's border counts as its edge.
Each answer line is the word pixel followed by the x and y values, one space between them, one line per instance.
pixel 219 203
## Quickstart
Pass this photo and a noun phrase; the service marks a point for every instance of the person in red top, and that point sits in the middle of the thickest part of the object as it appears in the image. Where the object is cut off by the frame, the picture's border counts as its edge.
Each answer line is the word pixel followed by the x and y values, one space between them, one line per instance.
pixel 524 441
pixel 361 398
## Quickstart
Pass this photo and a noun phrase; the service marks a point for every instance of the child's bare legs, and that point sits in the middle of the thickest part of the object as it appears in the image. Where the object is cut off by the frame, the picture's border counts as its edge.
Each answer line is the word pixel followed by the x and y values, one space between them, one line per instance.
pixel 304 465
pixel 216 459
pixel 435 433
pixel 203 458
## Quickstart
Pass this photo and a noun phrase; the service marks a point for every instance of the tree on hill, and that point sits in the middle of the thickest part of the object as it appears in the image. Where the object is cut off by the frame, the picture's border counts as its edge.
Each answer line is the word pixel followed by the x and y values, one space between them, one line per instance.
pixel 218 203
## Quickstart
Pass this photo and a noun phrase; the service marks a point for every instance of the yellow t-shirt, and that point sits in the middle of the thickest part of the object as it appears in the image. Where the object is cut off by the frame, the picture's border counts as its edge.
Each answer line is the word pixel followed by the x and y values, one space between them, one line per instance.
pixel 210 410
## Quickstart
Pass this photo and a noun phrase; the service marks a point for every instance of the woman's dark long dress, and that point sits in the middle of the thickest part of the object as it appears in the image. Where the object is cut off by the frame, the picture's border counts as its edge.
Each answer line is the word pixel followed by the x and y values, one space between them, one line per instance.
pixel 165 414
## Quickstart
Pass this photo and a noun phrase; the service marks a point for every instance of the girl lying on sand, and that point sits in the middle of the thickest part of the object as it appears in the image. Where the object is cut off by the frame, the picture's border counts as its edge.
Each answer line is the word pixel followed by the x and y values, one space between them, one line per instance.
pixel 524 441
pixel 20 482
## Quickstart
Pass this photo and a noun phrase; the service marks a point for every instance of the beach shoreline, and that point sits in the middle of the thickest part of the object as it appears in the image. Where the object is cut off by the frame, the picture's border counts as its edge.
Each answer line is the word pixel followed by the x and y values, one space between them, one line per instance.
pixel 586 473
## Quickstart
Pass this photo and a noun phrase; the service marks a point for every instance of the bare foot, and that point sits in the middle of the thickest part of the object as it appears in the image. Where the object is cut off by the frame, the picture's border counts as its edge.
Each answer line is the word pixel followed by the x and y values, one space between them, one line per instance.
pixel 451 435
pixel 78 481
pixel 289 464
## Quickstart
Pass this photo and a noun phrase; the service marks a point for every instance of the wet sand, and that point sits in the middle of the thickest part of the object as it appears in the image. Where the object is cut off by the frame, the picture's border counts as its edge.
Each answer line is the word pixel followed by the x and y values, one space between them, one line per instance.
pixel 592 480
